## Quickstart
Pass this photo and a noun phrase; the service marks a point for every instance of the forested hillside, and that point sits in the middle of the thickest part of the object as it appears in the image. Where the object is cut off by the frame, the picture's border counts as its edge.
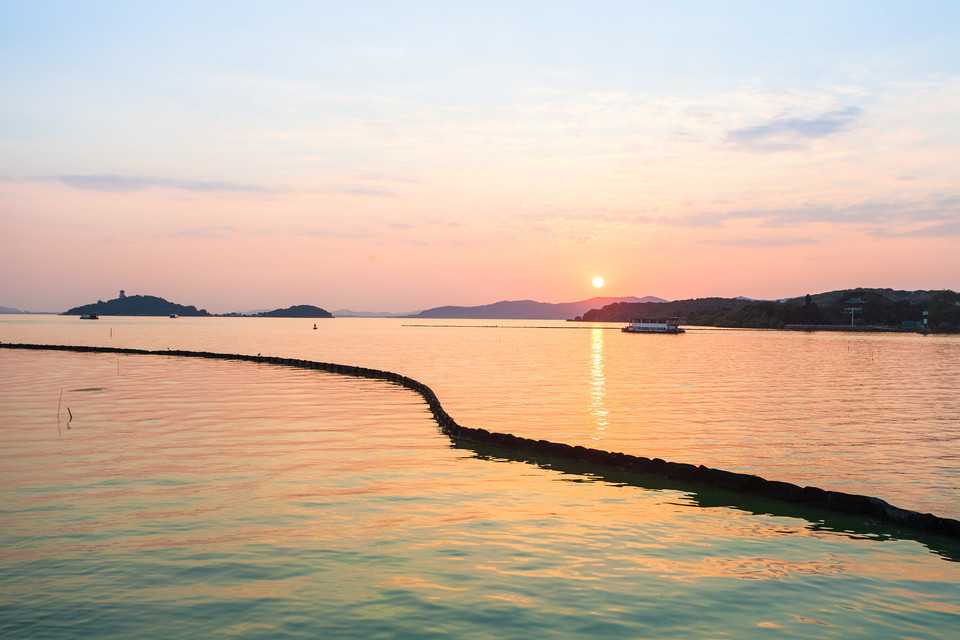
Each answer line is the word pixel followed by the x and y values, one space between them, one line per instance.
pixel 874 308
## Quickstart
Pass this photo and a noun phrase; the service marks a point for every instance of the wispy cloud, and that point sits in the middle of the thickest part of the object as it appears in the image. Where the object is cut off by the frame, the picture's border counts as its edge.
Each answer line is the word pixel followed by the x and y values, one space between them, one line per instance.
pixel 785 134
pixel 760 243
pixel 893 214
pixel 208 233
pixel 227 232
pixel 123 184
pixel 930 209
pixel 360 190
pixel 711 220
pixel 594 217
pixel 920 215
pixel 388 176
pixel 949 229
pixel 335 234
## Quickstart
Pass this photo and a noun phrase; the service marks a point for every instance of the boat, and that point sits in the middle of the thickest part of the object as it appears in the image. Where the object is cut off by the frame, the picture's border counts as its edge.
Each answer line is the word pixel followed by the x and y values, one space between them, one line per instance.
pixel 174 315
pixel 660 325
pixel 89 316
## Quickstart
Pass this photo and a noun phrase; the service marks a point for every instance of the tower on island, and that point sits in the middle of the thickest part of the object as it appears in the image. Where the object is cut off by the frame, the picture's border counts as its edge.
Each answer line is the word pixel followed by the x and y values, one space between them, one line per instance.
pixel 854 306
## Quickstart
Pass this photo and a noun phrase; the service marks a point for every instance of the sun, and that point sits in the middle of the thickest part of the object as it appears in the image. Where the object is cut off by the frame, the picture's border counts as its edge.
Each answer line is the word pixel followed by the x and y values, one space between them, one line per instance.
pixel 598 282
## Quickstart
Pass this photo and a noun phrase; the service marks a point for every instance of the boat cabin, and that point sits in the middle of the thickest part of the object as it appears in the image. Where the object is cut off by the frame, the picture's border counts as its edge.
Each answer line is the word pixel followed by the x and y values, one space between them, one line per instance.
pixel 660 325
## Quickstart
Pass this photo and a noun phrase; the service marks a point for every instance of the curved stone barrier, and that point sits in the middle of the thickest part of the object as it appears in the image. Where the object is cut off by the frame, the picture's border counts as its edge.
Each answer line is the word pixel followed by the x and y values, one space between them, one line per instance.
pixel 785 491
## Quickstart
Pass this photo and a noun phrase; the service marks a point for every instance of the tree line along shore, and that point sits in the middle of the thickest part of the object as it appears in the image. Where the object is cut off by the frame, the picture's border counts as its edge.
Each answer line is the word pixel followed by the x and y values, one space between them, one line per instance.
pixel 856 309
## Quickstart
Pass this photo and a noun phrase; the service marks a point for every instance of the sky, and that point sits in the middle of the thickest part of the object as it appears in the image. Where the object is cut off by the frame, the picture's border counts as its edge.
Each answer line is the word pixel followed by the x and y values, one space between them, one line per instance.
pixel 397 156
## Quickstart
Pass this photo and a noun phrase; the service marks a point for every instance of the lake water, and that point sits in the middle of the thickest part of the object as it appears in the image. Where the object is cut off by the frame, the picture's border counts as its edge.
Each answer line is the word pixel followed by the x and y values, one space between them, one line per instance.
pixel 180 498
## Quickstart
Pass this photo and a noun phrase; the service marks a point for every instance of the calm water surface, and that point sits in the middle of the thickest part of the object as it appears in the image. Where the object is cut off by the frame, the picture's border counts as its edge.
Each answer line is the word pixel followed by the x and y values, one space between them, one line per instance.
pixel 201 498
pixel 877 414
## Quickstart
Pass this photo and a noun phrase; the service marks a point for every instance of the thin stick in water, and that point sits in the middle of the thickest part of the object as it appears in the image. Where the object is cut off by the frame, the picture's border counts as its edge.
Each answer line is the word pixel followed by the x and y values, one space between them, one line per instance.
pixel 58 404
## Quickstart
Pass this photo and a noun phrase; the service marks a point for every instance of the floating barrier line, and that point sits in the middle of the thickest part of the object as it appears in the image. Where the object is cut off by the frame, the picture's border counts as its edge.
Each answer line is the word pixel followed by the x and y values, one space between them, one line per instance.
pixel 739 482
pixel 506 326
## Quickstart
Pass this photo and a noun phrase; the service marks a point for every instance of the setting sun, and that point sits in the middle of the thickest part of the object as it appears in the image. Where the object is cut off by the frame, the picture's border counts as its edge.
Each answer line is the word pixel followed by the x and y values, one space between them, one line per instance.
pixel 598 282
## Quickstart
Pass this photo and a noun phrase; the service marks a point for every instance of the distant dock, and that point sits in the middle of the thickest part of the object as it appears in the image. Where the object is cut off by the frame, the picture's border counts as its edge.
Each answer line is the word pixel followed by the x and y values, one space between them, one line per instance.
pixel 853 328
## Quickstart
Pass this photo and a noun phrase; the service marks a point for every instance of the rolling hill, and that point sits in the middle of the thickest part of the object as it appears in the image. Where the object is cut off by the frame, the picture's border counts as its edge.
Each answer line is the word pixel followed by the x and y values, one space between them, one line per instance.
pixel 528 309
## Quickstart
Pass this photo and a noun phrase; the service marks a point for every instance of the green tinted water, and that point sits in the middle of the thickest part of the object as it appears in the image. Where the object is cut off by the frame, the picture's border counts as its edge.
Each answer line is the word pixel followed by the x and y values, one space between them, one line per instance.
pixel 218 499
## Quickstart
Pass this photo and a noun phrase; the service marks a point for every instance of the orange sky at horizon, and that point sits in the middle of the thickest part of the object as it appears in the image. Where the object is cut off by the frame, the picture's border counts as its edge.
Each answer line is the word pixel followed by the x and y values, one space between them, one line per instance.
pixel 400 268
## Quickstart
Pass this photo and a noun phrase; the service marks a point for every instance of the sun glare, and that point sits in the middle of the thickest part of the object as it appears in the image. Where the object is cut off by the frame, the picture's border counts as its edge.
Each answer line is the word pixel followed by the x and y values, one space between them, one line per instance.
pixel 598 282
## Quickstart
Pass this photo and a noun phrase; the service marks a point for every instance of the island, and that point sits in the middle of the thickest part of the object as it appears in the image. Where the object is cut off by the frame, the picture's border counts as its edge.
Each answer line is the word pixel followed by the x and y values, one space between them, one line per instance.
pixel 140 305
pixel 136 305
pixel 297 311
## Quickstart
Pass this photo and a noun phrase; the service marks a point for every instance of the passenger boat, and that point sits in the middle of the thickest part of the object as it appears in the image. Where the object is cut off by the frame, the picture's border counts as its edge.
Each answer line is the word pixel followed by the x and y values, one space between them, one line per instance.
pixel 89 316
pixel 663 325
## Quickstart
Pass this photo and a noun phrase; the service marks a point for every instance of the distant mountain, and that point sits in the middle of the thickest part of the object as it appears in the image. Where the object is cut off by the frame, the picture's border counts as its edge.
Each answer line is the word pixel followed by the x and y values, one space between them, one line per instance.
pixel 527 309
pixel 136 306
pixel 11 310
pixel 297 311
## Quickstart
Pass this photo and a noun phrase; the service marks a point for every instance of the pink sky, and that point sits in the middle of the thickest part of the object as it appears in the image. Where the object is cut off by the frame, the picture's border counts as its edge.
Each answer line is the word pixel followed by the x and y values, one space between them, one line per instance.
pixel 408 175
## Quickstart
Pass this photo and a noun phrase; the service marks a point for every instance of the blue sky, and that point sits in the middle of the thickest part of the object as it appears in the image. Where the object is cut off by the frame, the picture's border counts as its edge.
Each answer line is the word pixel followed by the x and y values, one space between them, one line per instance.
pixel 507 150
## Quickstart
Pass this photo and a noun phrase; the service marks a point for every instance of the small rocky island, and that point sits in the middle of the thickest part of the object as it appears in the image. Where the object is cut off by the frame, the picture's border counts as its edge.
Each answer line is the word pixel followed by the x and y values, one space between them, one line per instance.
pixel 136 305
pixel 297 311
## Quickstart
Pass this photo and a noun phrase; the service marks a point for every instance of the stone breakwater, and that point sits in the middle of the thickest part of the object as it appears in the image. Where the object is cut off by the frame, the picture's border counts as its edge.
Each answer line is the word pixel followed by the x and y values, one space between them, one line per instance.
pixel 866 506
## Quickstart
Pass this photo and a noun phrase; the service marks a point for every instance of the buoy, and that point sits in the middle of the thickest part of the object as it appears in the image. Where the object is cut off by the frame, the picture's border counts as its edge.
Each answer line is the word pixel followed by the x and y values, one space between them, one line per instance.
pixel 314 326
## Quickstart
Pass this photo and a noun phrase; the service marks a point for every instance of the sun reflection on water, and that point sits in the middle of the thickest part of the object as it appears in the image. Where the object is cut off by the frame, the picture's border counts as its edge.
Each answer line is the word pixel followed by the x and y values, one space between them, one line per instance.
pixel 598 385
